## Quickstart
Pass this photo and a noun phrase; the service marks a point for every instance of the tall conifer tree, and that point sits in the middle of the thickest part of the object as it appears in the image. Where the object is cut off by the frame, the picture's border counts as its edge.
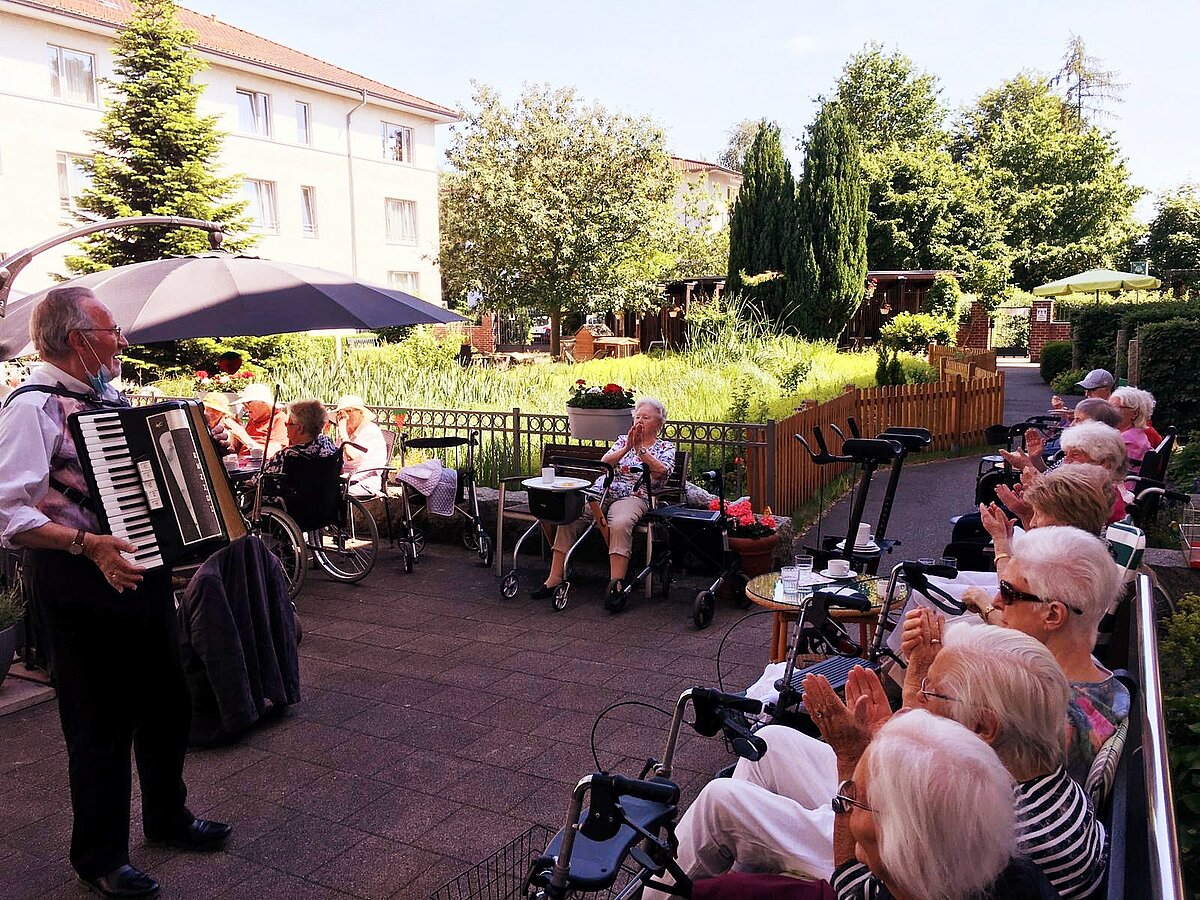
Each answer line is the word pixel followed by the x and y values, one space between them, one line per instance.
pixel 763 236
pixel 156 155
pixel 832 212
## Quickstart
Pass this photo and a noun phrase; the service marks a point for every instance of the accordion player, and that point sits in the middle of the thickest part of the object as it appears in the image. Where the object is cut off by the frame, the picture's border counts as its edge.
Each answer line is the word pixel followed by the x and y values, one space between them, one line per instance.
pixel 156 480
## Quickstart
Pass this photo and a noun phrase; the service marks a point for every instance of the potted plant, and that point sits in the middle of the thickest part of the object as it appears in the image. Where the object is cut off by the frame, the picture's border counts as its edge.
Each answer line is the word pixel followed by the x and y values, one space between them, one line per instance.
pixel 231 386
pixel 12 608
pixel 599 412
pixel 399 417
pixel 752 536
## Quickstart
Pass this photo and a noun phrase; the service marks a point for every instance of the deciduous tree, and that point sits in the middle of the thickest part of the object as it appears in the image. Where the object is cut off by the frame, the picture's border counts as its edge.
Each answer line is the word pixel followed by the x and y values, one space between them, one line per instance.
pixel 1173 239
pixel 889 100
pixel 157 156
pixel 554 204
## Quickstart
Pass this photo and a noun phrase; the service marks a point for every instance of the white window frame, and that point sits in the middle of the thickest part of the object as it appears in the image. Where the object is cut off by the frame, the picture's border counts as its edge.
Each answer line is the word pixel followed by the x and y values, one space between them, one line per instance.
pixel 303 123
pixel 260 113
pixel 394 215
pixel 71 179
pixel 58 79
pixel 263 209
pixel 389 131
pixel 409 282
pixel 308 210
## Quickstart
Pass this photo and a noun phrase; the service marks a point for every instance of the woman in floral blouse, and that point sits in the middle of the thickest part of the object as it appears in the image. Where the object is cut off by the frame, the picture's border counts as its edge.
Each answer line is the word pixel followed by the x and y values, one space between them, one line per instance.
pixel 628 502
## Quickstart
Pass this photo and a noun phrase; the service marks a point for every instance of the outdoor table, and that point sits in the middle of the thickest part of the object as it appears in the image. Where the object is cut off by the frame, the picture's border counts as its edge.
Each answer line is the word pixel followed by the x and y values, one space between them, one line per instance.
pixel 765 591
pixel 618 347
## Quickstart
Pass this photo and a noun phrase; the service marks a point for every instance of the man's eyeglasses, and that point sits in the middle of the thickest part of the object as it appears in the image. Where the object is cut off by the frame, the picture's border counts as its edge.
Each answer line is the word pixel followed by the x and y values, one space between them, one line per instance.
pixel 115 330
pixel 1010 594
pixel 844 800
pixel 927 694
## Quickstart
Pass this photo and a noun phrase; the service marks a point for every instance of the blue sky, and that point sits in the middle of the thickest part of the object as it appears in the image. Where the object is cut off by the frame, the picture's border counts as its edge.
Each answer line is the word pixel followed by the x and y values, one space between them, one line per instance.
pixel 699 67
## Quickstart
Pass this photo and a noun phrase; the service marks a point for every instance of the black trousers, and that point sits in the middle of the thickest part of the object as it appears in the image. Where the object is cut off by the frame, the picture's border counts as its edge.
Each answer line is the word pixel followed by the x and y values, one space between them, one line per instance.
pixel 115 662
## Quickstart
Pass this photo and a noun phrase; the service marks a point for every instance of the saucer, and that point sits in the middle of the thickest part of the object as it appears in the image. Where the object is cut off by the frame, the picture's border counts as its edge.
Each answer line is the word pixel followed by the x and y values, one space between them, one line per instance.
pixel 869 547
pixel 825 573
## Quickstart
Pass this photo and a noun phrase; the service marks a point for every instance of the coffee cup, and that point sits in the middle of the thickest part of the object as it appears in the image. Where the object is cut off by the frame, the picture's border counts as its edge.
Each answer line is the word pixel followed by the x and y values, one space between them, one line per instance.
pixel 548 475
pixel 839 567
pixel 230 462
pixel 864 535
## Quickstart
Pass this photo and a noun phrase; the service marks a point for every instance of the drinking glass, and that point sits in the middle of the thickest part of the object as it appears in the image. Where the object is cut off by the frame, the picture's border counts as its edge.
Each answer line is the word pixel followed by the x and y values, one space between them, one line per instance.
pixel 926 560
pixel 788 578
pixel 804 564
pixel 948 561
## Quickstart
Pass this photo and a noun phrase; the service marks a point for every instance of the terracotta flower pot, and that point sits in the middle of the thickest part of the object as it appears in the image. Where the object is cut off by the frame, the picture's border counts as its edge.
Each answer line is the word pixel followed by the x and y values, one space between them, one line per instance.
pixel 8 647
pixel 757 554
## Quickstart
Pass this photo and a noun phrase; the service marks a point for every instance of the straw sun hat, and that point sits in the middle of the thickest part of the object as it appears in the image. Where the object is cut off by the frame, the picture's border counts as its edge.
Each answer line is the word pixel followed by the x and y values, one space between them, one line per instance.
pixel 353 401
pixel 217 401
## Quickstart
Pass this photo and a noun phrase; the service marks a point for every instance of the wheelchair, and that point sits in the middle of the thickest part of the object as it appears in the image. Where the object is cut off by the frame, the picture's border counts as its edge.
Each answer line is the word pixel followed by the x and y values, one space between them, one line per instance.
pixel 307 509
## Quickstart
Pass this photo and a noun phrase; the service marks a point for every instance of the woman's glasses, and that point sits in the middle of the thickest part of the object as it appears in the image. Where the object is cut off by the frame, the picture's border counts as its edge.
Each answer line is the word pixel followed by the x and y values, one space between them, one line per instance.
pixel 1010 594
pixel 927 694
pixel 844 799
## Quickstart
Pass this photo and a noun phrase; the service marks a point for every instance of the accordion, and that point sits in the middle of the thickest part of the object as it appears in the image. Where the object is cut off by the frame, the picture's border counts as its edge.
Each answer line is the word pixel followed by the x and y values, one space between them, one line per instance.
pixel 156 480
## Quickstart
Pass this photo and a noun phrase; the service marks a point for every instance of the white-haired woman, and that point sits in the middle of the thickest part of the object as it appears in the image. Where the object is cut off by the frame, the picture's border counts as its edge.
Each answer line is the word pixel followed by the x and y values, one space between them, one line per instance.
pixel 927 814
pixel 364 447
pixel 1056 588
pixel 641 448
pixel 1135 408
pixel 1010 690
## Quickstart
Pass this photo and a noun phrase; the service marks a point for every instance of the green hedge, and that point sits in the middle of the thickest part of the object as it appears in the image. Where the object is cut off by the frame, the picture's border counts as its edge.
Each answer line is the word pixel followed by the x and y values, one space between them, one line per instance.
pixel 1064 383
pixel 1094 328
pixel 915 331
pixel 1170 358
pixel 1056 359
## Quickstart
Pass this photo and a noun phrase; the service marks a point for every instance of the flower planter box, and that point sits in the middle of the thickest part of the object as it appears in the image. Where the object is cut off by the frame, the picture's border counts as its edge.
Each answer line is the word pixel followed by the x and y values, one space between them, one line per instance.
pixel 599 424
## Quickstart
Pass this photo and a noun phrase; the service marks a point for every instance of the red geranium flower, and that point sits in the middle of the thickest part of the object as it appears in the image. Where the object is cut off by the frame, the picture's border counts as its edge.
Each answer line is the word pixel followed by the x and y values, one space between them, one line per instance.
pixel 201 374
pixel 580 381
pixel 611 388
pixel 245 373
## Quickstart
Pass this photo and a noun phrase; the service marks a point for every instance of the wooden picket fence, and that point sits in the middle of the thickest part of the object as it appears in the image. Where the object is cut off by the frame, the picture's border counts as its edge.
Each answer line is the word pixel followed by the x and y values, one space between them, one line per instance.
pixel 956 410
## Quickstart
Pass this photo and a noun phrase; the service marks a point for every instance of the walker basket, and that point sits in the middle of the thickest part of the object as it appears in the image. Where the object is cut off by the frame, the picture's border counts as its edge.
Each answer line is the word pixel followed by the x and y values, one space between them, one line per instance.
pixel 555 507
pixel 1189 534
pixel 502 875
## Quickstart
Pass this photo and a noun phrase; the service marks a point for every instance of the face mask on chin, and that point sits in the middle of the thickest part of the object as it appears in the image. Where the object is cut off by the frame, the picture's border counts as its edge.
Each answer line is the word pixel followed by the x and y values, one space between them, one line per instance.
pixel 105 376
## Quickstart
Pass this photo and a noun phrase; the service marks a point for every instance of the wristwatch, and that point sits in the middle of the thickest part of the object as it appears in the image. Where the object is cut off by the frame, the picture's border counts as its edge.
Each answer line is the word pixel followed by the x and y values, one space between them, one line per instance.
pixel 986 611
pixel 75 548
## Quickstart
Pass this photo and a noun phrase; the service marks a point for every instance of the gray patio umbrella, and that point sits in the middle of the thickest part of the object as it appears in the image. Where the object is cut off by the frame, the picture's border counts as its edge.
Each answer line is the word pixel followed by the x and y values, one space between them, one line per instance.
pixel 228 294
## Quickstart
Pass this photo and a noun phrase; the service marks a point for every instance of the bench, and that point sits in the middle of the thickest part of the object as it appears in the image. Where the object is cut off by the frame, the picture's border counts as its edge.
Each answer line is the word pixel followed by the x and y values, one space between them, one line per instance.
pixel 674 491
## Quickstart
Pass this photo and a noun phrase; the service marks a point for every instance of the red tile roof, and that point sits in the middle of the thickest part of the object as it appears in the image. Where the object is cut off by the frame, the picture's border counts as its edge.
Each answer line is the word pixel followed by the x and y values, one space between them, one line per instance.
pixel 218 37
pixel 696 165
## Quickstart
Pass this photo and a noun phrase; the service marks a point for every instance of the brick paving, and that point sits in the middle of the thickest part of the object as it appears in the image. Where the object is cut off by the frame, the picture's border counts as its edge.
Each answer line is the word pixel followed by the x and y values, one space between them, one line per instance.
pixel 438 722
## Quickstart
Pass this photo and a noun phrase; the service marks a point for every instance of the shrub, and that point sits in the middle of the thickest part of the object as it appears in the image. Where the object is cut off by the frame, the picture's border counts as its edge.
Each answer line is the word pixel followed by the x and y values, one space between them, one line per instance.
pixel 1179 654
pixel 1056 359
pixel 888 368
pixel 915 331
pixel 942 298
pixel 1010 330
pixel 1094 326
pixel 1064 384
pixel 1170 358
pixel 1184 467
pixel 917 370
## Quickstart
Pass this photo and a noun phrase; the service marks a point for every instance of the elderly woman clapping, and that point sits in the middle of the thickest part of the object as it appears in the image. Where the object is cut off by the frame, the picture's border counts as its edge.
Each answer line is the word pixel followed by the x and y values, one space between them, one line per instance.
pixel 641 448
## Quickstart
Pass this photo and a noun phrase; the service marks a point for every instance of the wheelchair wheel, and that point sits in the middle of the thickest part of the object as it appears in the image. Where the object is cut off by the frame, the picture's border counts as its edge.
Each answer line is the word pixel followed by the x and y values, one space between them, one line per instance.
pixel 485 549
pixel 703 609
pixel 509 585
pixel 348 552
pixel 737 583
pixel 663 572
pixel 285 540
pixel 470 535
pixel 560 595
pixel 418 542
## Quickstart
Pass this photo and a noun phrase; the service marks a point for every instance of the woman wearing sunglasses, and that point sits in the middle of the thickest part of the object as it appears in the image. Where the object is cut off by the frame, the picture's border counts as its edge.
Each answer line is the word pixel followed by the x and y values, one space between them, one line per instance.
pixel 1057 587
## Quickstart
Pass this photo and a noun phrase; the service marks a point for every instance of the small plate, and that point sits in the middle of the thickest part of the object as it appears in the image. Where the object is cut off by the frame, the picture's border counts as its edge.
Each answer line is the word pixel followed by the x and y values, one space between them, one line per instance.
pixel 561 483
pixel 871 547
pixel 825 573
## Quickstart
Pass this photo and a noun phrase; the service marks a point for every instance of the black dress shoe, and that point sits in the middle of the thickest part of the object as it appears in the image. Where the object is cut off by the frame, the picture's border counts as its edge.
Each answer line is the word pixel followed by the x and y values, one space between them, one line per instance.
pixel 126 882
pixel 544 592
pixel 201 835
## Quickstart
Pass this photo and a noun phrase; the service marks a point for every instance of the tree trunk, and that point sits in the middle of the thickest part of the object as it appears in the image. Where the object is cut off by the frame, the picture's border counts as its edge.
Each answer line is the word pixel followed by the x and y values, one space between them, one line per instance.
pixel 555 337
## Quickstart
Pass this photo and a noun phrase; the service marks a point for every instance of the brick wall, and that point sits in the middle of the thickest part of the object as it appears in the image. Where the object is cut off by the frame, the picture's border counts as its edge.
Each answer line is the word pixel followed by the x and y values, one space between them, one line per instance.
pixel 1042 328
pixel 975 332
pixel 482 336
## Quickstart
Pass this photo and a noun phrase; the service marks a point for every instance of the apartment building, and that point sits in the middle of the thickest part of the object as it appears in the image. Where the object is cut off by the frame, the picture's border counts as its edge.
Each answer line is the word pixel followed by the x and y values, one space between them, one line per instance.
pixel 719 185
pixel 340 170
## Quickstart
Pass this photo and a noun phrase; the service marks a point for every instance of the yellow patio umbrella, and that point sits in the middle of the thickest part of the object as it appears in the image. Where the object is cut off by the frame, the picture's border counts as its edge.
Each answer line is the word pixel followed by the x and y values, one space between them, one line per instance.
pixel 1097 280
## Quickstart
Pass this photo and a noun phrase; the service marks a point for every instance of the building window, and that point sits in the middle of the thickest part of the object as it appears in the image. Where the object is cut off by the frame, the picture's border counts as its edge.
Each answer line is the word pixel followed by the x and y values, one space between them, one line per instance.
pixel 261 196
pixel 72 179
pixel 303 136
pixel 308 210
pixel 397 143
pixel 409 282
pixel 401 221
pixel 254 113
pixel 72 74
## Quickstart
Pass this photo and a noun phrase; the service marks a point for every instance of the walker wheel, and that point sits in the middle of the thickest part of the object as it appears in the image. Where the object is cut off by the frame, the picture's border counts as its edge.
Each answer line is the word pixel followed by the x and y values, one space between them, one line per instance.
pixel 664 579
pixel 703 609
pixel 509 585
pixel 560 595
pixel 470 535
pixel 617 597
pixel 485 550
pixel 408 558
